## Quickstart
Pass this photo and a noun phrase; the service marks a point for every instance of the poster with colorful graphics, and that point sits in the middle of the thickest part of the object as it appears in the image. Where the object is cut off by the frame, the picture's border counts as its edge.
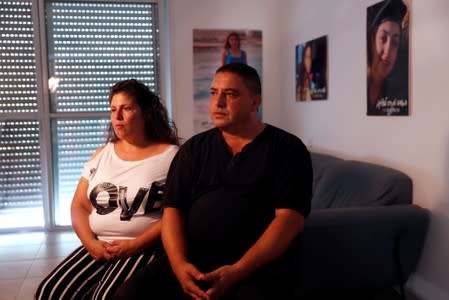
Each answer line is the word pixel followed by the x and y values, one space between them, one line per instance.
pixel 211 49
pixel 387 37
pixel 311 70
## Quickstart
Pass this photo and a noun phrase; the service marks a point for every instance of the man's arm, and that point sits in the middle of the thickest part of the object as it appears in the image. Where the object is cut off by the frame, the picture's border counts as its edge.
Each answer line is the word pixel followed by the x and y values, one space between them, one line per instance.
pixel 280 233
pixel 286 225
pixel 175 245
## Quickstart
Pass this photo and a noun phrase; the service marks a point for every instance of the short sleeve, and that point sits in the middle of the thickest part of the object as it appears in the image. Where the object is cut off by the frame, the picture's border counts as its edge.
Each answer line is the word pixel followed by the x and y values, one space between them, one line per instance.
pixel 293 176
pixel 177 192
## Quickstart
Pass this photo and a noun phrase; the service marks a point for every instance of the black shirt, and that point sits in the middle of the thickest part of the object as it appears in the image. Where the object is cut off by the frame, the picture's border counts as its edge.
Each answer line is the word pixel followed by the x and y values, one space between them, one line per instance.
pixel 229 200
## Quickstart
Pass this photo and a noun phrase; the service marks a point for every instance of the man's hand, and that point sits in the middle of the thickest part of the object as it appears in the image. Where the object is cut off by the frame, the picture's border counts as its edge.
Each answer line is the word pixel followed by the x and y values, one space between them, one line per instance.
pixel 221 280
pixel 98 250
pixel 189 279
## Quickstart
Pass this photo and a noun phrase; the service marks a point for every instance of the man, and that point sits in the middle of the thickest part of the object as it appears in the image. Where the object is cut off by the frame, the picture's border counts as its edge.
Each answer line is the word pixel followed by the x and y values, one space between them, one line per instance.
pixel 235 200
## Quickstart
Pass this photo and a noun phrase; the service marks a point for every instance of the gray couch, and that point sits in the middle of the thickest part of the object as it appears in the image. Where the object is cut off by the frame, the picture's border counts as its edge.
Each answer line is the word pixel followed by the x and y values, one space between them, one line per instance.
pixel 363 231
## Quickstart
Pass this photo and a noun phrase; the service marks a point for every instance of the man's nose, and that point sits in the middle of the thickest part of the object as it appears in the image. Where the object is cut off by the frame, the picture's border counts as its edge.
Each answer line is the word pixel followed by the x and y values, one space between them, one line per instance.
pixel 221 100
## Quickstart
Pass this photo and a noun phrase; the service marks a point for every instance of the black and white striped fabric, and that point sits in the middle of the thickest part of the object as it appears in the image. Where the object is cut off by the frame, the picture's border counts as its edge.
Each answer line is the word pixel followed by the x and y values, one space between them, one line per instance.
pixel 79 276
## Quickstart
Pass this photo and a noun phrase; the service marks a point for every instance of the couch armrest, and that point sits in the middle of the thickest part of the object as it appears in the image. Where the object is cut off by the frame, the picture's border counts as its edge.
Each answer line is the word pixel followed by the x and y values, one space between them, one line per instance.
pixel 363 247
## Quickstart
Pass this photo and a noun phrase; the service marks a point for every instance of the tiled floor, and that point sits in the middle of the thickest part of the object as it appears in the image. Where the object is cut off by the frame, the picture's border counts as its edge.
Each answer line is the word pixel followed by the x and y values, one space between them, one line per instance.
pixel 26 258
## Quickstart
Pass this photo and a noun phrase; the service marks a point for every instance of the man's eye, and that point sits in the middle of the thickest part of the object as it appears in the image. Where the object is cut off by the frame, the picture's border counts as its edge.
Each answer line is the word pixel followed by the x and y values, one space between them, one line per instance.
pixel 232 94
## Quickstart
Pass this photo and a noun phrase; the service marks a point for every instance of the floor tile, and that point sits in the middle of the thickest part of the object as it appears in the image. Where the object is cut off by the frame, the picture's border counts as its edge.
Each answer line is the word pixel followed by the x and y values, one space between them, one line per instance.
pixel 10 288
pixel 19 239
pixel 57 250
pixel 42 267
pixel 56 237
pixel 28 288
pixel 15 269
pixel 22 252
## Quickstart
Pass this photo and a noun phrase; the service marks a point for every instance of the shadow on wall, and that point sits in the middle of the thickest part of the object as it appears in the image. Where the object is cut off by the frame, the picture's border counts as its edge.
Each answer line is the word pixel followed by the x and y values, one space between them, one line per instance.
pixel 434 264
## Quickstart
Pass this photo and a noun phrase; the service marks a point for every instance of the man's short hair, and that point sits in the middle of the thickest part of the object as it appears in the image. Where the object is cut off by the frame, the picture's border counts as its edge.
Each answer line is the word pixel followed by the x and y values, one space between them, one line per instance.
pixel 247 73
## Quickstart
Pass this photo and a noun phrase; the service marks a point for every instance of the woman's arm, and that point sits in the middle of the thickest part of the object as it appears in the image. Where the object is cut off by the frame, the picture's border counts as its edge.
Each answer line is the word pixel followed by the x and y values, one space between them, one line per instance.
pixel 80 211
pixel 125 248
pixel 224 53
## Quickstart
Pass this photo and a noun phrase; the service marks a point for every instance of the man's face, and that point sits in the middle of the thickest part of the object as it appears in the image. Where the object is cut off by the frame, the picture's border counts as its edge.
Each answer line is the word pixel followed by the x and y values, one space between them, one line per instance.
pixel 231 103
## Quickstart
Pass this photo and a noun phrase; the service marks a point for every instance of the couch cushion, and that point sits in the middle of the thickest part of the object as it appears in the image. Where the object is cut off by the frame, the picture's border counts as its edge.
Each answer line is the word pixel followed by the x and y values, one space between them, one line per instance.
pixel 322 163
pixel 352 183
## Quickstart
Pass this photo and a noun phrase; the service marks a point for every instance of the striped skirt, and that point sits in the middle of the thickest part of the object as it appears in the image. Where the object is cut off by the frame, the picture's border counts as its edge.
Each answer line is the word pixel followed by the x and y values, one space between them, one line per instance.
pixel 79 276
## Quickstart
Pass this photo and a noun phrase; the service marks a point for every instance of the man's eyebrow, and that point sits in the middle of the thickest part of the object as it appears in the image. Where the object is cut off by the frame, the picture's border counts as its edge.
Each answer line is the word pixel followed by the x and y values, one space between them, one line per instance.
pixel 228 90
pixel 231 90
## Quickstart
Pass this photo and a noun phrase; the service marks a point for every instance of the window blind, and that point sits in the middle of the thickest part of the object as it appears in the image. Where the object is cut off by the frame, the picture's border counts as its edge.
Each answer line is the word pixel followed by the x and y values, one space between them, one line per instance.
pixel 92 45
pixel 18 92
pixel 20 172
pixel 20 163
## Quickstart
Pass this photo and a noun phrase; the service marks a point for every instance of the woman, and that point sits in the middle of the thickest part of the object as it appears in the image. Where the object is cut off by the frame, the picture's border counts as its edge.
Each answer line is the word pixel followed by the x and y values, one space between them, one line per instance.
pixel 384 39
pixel 305 86
pixel 231 52
pixel 115 209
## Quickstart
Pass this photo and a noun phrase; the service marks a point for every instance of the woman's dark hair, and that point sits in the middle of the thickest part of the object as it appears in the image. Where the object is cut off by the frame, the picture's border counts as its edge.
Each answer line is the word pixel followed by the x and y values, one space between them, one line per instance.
pixel 309 44
pixel 158 127
pixel 227 45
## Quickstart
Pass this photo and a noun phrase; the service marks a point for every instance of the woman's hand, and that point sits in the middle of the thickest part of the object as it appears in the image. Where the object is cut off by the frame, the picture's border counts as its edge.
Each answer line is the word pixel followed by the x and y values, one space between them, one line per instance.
pixel 122 248
pixel 98 250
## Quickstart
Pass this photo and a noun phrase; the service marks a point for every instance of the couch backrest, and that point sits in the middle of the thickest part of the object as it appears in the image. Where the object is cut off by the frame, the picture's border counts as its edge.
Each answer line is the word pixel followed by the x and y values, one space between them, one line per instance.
pixel 350 183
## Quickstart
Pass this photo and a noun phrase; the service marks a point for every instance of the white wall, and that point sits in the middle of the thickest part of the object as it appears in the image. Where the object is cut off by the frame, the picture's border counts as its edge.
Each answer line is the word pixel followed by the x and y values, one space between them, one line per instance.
pixel 213 14
pixel 417 144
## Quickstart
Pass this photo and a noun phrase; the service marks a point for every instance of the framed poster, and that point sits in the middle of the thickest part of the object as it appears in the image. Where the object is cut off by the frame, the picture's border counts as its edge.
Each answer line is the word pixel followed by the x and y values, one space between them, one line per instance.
pixel 387 38
pixel 211 49
pixel 311 70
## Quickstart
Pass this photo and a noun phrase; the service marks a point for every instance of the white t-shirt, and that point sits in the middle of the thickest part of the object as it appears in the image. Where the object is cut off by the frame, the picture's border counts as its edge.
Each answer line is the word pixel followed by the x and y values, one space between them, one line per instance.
pixel 115 185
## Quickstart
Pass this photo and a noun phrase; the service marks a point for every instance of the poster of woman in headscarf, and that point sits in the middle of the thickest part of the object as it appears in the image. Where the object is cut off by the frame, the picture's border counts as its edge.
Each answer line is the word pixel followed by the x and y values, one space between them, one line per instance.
pixel 387 58
pixel 311 70
pixel 211 49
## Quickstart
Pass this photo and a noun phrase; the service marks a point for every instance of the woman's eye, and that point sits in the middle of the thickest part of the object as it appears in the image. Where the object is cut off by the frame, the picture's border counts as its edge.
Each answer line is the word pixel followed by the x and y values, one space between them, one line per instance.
pixel 395 42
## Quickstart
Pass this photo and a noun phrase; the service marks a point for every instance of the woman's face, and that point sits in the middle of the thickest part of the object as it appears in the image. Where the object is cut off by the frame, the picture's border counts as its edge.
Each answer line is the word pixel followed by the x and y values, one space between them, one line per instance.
pixel 385 48
pixel 126 117
pixel 308 59
pixel 234 41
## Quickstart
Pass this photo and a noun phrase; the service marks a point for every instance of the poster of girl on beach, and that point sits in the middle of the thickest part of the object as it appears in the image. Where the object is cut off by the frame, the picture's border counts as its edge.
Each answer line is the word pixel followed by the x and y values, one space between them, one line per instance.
pixel 211 49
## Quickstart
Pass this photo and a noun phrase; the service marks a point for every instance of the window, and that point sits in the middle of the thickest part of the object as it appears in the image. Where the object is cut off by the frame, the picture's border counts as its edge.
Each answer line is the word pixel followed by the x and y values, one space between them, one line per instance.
pixel 54 80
